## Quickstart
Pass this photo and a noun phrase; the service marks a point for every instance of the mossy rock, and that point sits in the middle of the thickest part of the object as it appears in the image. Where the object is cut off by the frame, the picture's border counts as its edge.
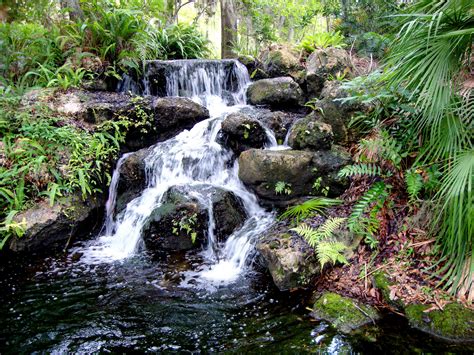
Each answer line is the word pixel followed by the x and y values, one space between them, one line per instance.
pixel 454 323
pixel 383 283
pixel 345 314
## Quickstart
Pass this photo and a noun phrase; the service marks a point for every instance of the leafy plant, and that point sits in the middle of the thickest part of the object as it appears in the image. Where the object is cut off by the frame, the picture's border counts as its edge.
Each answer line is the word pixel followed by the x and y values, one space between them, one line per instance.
pixel 282 187
pixel 308 208
pixel 322 40
pixel 321 239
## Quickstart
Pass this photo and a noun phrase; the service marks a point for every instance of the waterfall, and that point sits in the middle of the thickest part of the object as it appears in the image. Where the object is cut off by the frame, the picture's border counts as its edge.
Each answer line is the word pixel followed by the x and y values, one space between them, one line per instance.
pixel 192 159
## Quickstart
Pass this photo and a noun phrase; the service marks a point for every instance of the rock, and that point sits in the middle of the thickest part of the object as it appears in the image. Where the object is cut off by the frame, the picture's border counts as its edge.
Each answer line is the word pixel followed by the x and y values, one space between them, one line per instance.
pixel 309 133
pixel 276 93
pixel 50 229
pixel 280 60
pixel 153 119
pixel 292 263
pixel 289 259
pixel 262 170
pixel 132 180
pixel 279 122
pixel 322 63
pixel 454 323
pixel 344 314
pixel 182 218
pixel 241 132
pixel 382 283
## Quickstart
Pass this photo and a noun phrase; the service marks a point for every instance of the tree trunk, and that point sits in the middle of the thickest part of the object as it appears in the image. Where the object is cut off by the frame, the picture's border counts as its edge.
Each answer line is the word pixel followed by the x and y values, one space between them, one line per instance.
pixel 73 8
pixel 228 28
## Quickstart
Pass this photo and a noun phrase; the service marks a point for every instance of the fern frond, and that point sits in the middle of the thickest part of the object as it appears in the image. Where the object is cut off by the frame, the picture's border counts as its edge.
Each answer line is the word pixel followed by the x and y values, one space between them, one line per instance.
pixel 327 229
pixel 310 234
pixel 331 251
pixel 307 208
pixel 374 194
pixel 381 147
pixel 360 169
pixel 414 183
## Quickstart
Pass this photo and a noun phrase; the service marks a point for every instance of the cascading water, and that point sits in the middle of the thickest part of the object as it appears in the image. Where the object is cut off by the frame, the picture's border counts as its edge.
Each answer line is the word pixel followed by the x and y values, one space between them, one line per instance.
pixel 195 160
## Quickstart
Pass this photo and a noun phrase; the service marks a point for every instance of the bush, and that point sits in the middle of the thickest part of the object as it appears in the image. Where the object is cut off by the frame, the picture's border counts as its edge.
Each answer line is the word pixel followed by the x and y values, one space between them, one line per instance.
pixel 371 43
pixel 322 40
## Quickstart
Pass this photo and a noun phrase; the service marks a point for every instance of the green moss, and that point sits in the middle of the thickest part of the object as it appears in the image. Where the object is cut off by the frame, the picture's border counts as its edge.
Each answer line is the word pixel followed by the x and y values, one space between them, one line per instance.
pixel 343 313
pixel 455 322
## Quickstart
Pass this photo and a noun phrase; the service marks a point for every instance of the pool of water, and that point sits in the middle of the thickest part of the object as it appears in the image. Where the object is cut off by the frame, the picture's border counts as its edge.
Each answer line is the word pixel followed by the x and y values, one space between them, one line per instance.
pixel 144 305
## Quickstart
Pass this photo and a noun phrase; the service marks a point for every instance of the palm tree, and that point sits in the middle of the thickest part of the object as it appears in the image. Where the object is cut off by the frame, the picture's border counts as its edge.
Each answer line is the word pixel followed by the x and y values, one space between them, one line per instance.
pixel 432 57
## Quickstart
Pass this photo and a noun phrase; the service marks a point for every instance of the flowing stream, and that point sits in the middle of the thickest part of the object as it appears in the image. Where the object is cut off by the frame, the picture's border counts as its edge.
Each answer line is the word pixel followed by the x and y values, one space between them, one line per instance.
pixel 108 296
pixel 193 159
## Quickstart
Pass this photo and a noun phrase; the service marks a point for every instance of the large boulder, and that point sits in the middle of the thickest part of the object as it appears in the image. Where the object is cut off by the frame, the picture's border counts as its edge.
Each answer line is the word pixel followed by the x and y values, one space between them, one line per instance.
pixel 278 177
pixel 309 133
pixel 150 119
pixel 181 222
pixel 321 64
pixel 276 93
pixel 280 60
pixel 241 132
pixel 53 228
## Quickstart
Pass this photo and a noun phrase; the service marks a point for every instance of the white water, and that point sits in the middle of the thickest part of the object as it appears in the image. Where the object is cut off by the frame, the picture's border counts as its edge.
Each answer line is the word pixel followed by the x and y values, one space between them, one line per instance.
pixel 193 159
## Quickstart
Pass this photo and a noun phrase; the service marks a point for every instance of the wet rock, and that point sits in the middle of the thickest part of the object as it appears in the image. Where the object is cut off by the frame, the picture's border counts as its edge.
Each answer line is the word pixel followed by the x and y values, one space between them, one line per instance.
pixel 276 93
pixel 310 133
pixel 241 132
pixel 279 122
pixel 132 180
pixel 182 221
pixel 345 314
pixel 454 323
pixel 321 64
pixel 50 229
pixel 264 171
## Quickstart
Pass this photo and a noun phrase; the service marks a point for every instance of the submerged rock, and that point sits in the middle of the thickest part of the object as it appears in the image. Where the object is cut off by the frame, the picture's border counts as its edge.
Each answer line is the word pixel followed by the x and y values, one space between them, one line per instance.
pixel 344 314
pixel 264 171
pixel 276 93
pixel 454 323
pixel 182 221
pixel 309 133
pixel 321 64
pixel 53 228
pixel 241 132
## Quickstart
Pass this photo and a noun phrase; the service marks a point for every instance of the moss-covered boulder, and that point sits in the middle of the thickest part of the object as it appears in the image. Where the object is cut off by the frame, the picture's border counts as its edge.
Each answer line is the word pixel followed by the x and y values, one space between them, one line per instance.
pixel 311 133
pixel 282 92
pixel 240 132
pixel 280 60
pixel 383 283
pixel 454 323
pixel 345 314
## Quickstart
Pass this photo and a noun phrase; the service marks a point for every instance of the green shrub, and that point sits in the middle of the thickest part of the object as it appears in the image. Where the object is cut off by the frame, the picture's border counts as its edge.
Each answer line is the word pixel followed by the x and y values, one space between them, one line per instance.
pixel 322 40
pixel 371 43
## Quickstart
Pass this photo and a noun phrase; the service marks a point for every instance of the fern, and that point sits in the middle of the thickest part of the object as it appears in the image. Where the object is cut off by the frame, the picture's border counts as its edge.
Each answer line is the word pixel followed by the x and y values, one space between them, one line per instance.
pixel 360 169
pixel 380 148
pixel 376 193
pixel 414 183
pixel 327 250
pixel 331 251
pixel 307 208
